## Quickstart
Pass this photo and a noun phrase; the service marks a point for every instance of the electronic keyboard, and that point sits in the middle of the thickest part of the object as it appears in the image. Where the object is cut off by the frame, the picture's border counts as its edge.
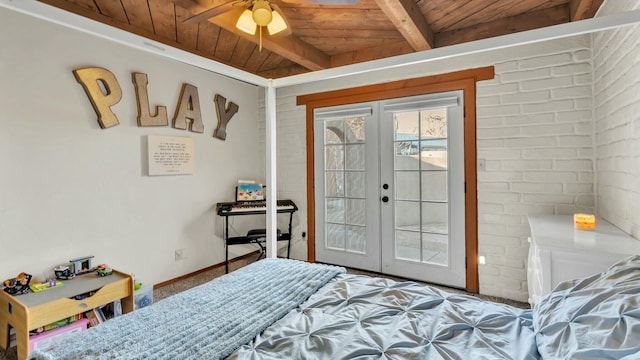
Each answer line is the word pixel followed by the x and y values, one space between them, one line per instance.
pixel 226 209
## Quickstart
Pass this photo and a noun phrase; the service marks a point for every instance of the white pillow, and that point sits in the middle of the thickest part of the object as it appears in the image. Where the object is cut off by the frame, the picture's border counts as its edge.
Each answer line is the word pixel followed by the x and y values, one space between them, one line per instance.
pixel 597 317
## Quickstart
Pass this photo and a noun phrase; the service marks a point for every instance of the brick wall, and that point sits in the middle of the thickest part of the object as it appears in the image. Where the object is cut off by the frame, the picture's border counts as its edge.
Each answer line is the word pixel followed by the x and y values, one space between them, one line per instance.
pixel 616 65
pixel 535 137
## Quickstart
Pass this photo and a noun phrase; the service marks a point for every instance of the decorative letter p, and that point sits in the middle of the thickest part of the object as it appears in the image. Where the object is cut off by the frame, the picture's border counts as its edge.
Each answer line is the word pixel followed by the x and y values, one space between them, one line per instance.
pixel 101 97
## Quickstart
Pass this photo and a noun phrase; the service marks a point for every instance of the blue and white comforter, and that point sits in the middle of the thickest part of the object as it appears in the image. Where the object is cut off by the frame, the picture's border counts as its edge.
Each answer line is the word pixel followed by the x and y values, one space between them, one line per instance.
pixel 287 309
pixel 206 322
pixel 360 317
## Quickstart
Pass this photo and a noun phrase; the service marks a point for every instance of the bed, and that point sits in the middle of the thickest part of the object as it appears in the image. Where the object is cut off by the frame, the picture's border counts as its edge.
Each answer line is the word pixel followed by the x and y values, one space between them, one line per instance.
pixel 288 309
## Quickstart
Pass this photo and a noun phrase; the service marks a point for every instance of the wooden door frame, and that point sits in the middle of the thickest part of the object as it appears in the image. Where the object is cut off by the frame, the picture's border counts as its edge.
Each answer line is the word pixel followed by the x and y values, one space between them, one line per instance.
pixel 460 80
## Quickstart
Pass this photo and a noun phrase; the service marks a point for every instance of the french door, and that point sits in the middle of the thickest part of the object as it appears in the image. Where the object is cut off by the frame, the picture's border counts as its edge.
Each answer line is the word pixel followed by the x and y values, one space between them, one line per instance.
pixel 346 171
pixel 389 187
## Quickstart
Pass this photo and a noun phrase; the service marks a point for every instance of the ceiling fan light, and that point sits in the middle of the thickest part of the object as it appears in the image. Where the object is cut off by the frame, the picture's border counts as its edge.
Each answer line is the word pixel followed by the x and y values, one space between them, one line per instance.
pixel 245 23
pixel 277 23
pixel 262 13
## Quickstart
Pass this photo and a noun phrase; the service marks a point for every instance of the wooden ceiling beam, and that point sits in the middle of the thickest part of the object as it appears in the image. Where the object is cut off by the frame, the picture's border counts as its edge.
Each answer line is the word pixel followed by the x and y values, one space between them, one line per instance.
pixel 281 72
pixel 410 22
pixel 527 21
pixel 289 47
pixel 372 53
pixel 584 9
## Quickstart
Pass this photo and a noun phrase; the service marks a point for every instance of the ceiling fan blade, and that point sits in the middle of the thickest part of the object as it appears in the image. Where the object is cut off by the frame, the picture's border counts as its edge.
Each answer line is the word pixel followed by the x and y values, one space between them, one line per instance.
pixel 322 2
pixel 287 31
pixel 214 11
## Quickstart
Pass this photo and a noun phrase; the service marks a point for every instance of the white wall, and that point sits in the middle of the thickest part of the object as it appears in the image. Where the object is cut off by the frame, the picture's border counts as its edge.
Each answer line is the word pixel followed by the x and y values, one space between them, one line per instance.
pixel 616 63
pixel 69 188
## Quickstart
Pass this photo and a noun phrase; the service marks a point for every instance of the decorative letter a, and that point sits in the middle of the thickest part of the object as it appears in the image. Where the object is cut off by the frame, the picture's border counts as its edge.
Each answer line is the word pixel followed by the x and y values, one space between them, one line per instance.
pixel 188 109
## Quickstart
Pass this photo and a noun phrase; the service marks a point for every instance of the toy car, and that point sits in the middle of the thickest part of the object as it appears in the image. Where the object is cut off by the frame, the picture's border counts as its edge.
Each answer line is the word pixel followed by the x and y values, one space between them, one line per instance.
pixel 104 270
pixel 19 285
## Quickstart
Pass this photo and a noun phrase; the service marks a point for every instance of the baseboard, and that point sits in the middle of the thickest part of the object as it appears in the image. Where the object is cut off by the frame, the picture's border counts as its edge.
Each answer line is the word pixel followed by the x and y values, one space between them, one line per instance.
pixel 186 276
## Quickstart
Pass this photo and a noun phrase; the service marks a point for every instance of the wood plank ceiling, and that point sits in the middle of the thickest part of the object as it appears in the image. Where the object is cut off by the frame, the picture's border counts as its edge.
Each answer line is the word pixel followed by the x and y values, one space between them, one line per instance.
pixel 325 36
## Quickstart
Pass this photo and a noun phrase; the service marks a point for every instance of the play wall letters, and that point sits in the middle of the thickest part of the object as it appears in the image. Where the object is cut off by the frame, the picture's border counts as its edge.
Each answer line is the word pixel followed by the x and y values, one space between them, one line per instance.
pixel 104 91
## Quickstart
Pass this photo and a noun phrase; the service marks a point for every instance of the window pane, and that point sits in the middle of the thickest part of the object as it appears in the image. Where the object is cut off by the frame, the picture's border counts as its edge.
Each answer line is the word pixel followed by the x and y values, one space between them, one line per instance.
pixel 356 239
pixel 435 248
pixel 355 157
pixel 334 157
pixel 355 212
pixel 335 210
pixel 434 186
pixel 407 185
pixel 406 155
pixel 408 215
pixel 408 245
pixel 354 184
pixel 335 236
pixel 354 130
pixel 435 218
pixel 334 133
pixel 406 126
pixel 433 123
pixel 433 154
pixel 334 182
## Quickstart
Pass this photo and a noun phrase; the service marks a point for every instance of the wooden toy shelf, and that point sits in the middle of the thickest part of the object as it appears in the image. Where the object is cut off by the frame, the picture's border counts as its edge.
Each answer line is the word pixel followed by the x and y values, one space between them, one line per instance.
pixel 32 310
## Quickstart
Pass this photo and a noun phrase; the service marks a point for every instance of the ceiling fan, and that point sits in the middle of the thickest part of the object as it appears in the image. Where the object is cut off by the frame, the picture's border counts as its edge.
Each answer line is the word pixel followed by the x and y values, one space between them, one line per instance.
pixel 260 13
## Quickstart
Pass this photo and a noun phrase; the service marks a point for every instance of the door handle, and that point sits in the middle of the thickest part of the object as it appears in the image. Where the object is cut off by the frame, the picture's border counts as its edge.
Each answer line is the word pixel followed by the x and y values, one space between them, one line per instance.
pixel 385 198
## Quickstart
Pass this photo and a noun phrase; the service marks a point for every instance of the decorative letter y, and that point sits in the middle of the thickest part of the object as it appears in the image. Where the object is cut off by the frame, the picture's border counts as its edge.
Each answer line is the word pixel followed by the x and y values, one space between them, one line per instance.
pixel 224 116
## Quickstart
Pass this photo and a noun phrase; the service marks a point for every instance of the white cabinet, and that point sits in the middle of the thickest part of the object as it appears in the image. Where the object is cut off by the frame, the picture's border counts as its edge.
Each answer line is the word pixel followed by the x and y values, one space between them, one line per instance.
pixel 559 252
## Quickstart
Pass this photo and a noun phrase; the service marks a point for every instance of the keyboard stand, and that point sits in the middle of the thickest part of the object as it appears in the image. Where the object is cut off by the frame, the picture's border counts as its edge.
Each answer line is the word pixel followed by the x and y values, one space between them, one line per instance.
pixel 255 236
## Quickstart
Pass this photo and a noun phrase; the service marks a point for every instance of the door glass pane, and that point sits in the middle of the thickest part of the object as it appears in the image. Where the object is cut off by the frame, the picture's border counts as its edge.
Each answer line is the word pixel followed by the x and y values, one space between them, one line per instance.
pixel 355 214
pixel 334 131
pixel 334 157
pixel 355 157
pixel 435 248
pixel 354 130
pixel 356 239
pixel 435 217
pixel 335 236
pixel 407 126
pixel 407 185
pixel 406 155
pixel 433 154
pixel 334 183
pixel 434 186
pixel 433 124
pixel 408 245
pixel 345 184
pixel 354 184
pixel 420 167
pixel 335 210
pixel 408 215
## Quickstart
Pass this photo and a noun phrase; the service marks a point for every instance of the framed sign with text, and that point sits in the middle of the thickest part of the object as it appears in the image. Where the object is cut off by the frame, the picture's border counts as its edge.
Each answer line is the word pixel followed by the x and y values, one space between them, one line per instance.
pixel 170 155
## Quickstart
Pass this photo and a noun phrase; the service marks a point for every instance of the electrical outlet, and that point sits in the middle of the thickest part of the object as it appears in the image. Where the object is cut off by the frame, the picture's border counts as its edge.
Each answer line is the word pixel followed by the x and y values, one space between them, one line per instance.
pixel 179 254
